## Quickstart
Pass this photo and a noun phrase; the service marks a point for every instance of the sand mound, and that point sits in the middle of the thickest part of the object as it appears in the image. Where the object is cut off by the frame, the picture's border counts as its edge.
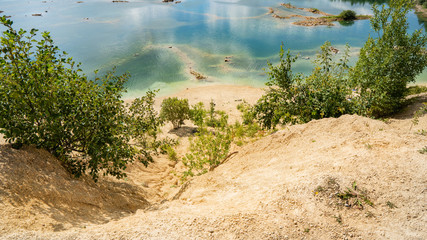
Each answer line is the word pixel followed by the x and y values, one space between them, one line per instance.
pixel 268 190
pixel 36 193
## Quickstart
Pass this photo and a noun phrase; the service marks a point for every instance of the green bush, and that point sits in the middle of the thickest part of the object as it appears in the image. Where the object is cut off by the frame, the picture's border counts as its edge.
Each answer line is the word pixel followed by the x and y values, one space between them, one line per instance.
pixel 210 118
pixel 216 119
pixel 385 67
pixel 175 110
pixel 416 90
pixel 168 149
pixel 212 142
pixel 389 62
pixel 417 114
pixel 243 133
pixel 248 115
pixel 207 150
pixel 198 114
pixel 269 108
pixel 298 99
pixel 347 15
pixel 46 101
pixel 144 124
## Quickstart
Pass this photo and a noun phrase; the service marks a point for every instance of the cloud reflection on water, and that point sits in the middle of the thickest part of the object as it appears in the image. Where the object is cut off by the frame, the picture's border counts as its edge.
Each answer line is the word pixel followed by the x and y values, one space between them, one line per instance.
pixel 102 34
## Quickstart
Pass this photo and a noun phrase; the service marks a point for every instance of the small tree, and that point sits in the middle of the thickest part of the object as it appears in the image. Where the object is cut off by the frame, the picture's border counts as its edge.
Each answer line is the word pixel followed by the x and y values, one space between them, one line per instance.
pixel 296 99
pixel 175 110
pixel 389 62
pixel 198 114
pixel 248 115
pixel 207 150
pixel 144 124
pixel 347 15
pixel 216 119
pixel 269 109
pixel 46 101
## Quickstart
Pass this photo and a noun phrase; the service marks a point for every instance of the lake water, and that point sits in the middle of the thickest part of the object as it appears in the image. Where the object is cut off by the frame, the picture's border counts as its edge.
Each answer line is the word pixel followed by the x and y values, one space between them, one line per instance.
pixel 158 43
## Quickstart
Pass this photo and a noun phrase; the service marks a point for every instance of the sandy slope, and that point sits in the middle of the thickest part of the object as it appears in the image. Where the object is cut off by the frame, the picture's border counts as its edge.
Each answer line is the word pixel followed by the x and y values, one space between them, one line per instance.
pixel 266 191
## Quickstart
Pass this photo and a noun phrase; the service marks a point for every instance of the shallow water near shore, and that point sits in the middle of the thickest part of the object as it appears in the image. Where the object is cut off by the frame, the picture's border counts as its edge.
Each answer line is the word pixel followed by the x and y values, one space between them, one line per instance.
pixel 227 41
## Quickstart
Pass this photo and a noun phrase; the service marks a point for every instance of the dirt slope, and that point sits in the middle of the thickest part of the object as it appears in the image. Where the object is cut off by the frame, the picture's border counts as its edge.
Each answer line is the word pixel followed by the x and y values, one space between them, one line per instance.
pixel 36 193
pixel 281 187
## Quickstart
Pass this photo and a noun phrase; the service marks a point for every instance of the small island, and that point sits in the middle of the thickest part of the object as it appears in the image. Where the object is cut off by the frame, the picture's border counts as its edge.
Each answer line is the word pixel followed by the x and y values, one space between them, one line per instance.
pixel 198 76
pixel 325 20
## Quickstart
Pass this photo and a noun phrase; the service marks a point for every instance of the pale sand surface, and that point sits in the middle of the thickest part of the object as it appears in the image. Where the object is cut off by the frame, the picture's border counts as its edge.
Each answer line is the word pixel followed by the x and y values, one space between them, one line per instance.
pixel 225 97
pixel 265 191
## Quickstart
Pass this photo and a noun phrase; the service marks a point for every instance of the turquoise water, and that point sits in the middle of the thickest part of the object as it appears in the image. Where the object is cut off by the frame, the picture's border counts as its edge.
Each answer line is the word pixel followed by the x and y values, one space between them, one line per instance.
pixel 158 43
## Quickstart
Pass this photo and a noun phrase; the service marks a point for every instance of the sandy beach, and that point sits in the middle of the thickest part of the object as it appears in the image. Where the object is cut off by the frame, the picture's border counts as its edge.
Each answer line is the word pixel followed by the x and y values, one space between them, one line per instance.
pixel 226 97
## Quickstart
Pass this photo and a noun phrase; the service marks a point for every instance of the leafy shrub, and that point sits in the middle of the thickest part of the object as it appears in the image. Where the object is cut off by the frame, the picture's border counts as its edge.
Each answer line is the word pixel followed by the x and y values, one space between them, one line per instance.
pixel 216 119
pixel 416 90
pixel 168 149
pixel 198 114
pixel 207 150
pixel 388 63
pixel 208 147
pixel 212 142
pixel 248 115
pixel 420 112
pixel 242 133
pixel 385 67
pixel 144 124
pixel 175 110
pixel 298 99
pixel 211 118
pixel 269 108
pixel 347 15
pixel 46 101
